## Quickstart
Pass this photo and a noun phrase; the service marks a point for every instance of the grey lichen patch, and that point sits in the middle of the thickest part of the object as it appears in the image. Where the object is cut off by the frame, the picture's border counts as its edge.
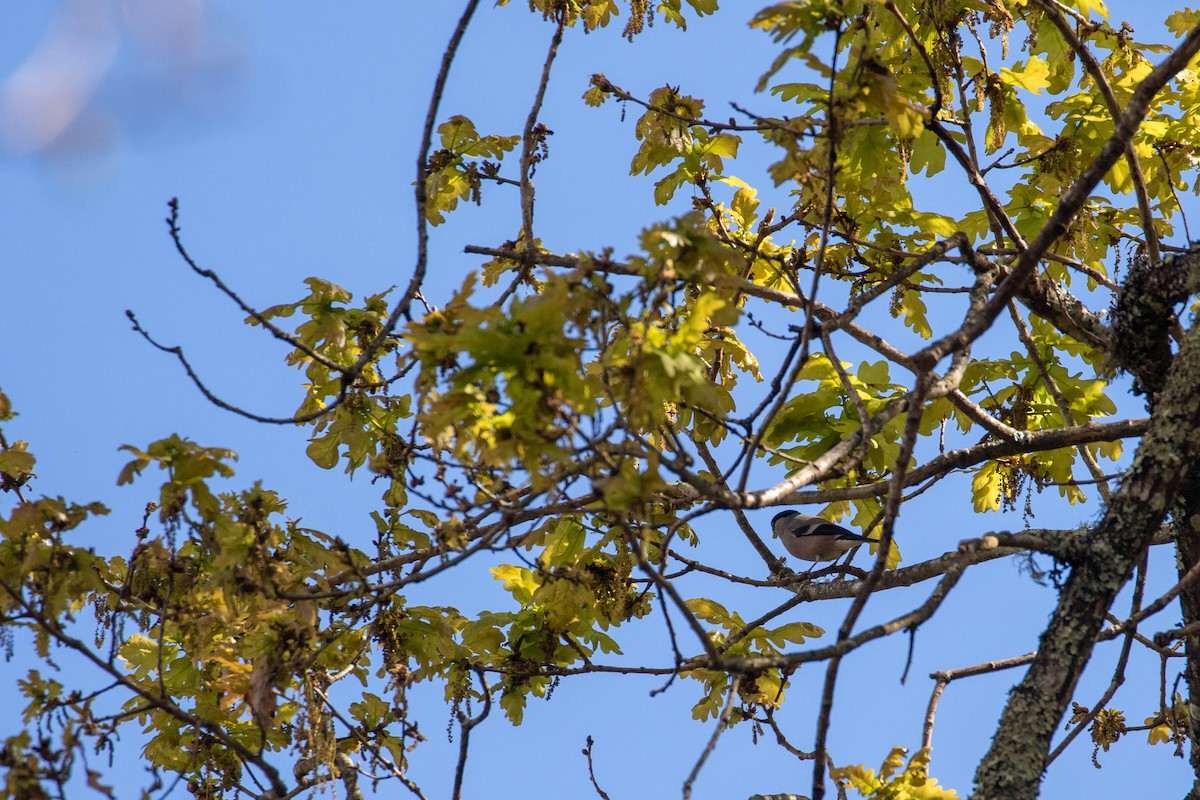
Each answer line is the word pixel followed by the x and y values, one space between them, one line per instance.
pixel 1143 314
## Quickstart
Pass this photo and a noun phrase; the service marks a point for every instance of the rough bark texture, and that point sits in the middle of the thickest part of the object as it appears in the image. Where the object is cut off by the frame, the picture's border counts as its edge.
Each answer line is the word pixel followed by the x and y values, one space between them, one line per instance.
pixel 1143 315
pixel 1051 301
pixel 1103 562
pixel 1187 544
pixel 1141 318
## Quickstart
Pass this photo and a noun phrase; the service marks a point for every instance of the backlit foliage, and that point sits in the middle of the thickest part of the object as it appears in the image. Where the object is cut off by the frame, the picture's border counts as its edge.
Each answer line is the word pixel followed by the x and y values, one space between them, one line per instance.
pixel 561 422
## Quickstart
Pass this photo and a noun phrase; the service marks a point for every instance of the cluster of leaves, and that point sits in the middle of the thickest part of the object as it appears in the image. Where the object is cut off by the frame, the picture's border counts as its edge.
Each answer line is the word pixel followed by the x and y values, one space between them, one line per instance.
pixel 1106 725
pixel 456 170
pixel 735 638
pixel 896 780
pixel 599 13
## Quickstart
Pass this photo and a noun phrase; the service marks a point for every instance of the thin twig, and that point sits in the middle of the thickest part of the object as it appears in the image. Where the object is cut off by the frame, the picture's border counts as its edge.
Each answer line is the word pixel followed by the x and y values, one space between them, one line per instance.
pixel 418 277
pixel 1053 11
pixel 278 333
pixel 587 752
pixel 528 144
pixel 177 351
pixel 1118 677
pixel 467 724
pixel 722 723
pixel 1060 400
pixel 943 679
pixel 891 511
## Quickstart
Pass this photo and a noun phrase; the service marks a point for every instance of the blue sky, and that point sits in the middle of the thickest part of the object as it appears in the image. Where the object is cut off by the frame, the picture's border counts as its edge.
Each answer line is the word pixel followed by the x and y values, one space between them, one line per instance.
pixel 289 134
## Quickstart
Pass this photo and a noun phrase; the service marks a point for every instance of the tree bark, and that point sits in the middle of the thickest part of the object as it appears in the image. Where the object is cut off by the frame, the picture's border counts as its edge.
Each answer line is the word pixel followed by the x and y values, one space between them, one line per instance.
pixel 1187 544
pixel 1102 563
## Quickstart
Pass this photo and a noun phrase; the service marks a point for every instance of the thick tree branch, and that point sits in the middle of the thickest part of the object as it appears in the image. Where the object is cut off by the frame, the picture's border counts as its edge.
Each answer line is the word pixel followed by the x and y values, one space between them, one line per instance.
pixel 1143 316
pixel 1071 201
pixel 1170 449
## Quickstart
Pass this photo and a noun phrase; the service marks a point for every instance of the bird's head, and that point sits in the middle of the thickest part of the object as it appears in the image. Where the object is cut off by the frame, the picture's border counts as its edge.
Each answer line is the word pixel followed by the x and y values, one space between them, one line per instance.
pixel 784 515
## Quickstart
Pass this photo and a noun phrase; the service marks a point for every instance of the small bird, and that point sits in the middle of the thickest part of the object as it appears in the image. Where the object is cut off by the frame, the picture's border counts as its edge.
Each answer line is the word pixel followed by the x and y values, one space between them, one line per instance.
pixel 812 538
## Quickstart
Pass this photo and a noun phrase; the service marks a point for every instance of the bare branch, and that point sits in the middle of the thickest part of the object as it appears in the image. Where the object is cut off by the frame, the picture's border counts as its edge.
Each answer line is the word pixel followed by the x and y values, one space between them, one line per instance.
pixel 278 333
pixel 587 752
pixel 177 351
pixel 418 277
pixel 466 725
pixel 722 723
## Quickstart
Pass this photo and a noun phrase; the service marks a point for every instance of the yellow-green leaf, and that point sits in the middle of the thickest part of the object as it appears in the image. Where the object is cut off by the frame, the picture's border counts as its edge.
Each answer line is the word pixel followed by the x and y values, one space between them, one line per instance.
pixel 1032 75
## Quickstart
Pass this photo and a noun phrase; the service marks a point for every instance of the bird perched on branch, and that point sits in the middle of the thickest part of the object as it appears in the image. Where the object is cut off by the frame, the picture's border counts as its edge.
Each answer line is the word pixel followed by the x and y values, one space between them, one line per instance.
pixel 812 538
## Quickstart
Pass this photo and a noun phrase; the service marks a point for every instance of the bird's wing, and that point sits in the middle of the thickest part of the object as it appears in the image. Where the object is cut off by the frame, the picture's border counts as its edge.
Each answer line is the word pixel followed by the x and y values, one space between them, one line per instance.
pixel 827 529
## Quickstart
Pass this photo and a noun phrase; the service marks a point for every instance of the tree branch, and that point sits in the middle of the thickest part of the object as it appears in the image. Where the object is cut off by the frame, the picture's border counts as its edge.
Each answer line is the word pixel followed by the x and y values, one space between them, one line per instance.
pixel 1170 449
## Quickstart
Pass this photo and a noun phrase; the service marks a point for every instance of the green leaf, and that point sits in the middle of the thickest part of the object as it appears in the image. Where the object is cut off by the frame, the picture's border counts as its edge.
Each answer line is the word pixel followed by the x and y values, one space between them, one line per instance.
pixel 724 145
pixel 745 207
pixel 915 313
pixel 15 463
pixel 324 451
pixel 987 488
pixel 513 703
pixel 796 632
pixel 1032 75
pixel 1183 21
pixel 665 189
pixel 518 581
pixel 708 610
pixel 874 374
pixel 1088 6
pixel 928 154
